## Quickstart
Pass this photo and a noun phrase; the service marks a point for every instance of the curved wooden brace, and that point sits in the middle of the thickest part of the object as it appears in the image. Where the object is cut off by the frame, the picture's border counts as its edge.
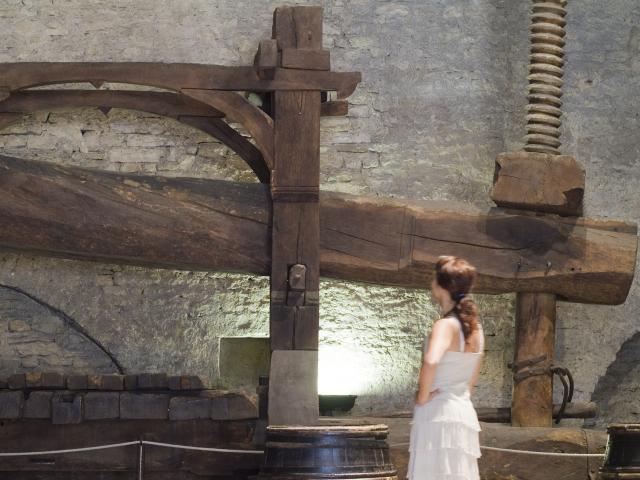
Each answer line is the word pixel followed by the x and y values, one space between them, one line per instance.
pixel 238 109
pixel 174 76
pixel 180 107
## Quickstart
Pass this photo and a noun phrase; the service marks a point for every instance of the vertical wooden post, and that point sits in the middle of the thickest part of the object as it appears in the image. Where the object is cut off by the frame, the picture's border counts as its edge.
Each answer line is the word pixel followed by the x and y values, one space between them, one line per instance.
pixel 532 400
pixel 295 262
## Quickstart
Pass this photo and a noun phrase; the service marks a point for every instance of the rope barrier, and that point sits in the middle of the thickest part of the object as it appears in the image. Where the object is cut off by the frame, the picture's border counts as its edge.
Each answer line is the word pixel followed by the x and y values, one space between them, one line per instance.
pixel 124 444
pixel 69 450
pixel 254 452
pixel 529 452
pixel 206 449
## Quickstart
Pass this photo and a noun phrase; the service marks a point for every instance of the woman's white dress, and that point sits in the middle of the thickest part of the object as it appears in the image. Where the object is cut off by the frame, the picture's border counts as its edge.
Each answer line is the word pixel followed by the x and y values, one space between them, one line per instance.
pixel 444 441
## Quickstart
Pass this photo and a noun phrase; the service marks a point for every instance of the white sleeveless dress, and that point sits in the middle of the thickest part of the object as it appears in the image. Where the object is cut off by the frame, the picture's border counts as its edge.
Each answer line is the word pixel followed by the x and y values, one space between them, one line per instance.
pixel 444 440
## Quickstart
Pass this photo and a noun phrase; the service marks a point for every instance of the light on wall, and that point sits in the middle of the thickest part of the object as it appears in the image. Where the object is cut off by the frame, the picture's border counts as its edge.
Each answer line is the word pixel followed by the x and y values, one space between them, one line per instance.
pixel 344 370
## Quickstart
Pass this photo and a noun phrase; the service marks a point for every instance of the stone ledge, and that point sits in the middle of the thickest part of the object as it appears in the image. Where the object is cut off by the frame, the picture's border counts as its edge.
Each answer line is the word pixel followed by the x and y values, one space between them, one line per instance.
pixel 73 406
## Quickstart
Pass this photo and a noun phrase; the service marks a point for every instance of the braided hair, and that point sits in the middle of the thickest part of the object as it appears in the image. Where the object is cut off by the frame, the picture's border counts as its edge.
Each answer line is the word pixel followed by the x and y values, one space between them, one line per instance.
pixel 457 276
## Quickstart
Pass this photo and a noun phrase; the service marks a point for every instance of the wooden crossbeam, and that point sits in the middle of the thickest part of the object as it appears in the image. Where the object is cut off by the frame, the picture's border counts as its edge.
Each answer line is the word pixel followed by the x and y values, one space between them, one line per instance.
pixel 217 225
pixel 174 76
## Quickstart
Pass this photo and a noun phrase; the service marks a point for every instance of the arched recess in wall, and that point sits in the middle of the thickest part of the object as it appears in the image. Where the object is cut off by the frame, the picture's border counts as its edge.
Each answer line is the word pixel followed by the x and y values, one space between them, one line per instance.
pixel 616 393
pixel 40 336
pixel 201 109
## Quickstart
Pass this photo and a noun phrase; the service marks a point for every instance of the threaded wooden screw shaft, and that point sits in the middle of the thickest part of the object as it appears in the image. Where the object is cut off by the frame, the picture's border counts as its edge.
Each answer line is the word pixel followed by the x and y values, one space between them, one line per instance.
pixel 546 62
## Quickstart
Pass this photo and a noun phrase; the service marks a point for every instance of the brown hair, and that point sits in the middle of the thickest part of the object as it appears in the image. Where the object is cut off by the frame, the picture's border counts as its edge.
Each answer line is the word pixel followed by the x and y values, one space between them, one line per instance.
pixel 456 275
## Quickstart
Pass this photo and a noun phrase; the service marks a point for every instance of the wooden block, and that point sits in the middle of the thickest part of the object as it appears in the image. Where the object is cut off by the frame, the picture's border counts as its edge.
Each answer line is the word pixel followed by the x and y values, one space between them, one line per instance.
pixel 540 182
pixel 307 327
pixel 101 405
pixel 306 59
pixel 334 108
pixel 144 405
pixel 281 326
pixel 66 408
pixel 17 381
pixel 38 405
pixel 293 388
pixel 77 382
pixel 307 24
pixel 266 59
pixel 298 27
pixel 11 404
pixel 152 381
pixel 189 408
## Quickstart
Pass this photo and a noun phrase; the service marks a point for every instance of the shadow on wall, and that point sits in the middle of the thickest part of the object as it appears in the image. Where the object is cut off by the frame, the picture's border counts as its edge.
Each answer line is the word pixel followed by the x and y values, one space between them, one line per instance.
pixel 617 393
pixel 40 337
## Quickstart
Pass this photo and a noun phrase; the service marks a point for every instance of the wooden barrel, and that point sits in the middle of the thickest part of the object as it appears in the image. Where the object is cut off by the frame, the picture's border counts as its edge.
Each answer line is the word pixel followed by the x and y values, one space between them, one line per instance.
pixel 332 451
pixel 622 455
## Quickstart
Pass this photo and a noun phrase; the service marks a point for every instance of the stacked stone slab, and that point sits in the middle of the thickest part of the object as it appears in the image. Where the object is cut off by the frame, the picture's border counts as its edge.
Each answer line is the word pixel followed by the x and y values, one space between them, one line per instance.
pixel 146 396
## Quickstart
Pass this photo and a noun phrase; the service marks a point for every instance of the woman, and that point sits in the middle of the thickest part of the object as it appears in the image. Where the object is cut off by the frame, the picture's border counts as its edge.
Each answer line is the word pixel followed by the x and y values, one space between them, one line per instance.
pixel 444 442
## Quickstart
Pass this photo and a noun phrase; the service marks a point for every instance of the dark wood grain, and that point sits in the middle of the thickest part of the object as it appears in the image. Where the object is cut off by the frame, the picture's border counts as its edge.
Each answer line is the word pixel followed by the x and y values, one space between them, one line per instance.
pixel 217 225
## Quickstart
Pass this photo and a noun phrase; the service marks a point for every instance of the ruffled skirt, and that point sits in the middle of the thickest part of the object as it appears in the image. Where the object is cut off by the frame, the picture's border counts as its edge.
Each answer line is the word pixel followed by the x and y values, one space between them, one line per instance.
pixel 445 439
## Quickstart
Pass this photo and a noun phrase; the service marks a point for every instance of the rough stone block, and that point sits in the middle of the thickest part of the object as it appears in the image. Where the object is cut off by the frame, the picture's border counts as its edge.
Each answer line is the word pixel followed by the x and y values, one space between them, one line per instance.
pixel 185 382
pixel 77 382
pixel 66 408
pixel 19 326
pixel 152 381
pixel 232 406
pixel 189 408
pixel 293 387
pixel 17 381
pixel 105 382
pixel 44 380
pixel 38 405
pixel 130 382
pixel 144 405
pixel 52 380
pixel 101 405
pixel 11 404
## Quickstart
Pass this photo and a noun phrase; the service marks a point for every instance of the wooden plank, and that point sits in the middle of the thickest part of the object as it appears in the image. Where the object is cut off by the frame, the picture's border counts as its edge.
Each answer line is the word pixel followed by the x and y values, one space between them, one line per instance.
pixel 238 109
pixel 175 76
pixel 167 104
pixel 218 225
pixel 306 59
pixel 532 401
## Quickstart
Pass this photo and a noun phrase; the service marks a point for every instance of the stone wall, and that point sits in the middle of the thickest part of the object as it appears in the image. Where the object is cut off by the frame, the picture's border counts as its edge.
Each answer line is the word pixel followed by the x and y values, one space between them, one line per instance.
pixel 443 92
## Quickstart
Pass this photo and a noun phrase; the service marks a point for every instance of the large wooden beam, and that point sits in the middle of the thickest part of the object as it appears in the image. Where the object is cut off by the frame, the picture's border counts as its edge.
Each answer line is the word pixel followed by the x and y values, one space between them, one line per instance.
pixel 174 76
pixel 217 225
